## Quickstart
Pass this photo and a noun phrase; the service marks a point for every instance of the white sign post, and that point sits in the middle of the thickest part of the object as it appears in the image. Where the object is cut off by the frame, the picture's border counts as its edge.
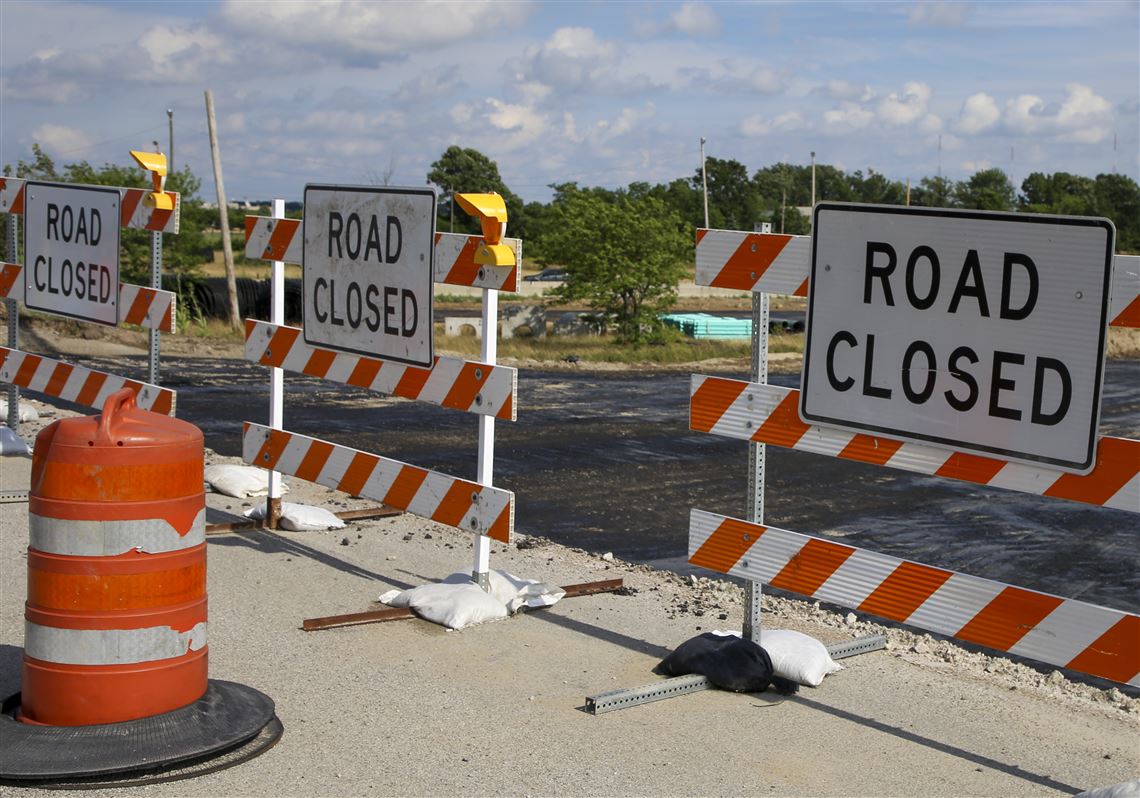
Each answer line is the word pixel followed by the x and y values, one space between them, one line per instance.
pixel 368 271
pixel 978 331
pixel 71 251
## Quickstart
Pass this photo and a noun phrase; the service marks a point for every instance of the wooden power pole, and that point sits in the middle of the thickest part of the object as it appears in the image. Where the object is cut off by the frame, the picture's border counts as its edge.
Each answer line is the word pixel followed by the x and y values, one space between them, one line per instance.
pixel 223 215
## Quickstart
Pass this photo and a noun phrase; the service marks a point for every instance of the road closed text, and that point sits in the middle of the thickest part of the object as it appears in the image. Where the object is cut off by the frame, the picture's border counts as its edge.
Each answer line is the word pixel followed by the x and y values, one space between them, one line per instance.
pixel 977 331
pixel 71 250
pixel 927 286
pixel 368 271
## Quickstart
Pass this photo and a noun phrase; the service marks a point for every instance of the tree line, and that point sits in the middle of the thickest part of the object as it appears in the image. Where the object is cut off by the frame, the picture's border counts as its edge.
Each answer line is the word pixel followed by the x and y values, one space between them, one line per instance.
pixel 626 249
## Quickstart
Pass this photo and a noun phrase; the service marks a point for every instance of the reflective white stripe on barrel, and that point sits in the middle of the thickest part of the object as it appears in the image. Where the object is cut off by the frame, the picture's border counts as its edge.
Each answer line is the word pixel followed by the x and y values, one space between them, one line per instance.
pixel 108 538
pixel 110 646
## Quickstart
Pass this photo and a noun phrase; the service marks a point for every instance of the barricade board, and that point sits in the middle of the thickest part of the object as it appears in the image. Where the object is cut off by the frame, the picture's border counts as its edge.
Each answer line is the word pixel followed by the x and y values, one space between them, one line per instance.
pixel 448 500
pixel 1070 634
pixel 977 331
pixel 77 384
pixel 368 271
pixel 71 248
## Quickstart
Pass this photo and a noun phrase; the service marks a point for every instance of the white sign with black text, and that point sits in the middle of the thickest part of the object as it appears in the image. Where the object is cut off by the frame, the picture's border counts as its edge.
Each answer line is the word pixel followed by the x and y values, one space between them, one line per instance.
pixel 977 331
pixel 368 271
pixel 71 251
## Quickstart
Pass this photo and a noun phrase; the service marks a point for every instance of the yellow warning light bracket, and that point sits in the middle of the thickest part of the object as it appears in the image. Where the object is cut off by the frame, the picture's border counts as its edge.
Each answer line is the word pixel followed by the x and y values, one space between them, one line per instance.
pixel 492 213
pixel 155 163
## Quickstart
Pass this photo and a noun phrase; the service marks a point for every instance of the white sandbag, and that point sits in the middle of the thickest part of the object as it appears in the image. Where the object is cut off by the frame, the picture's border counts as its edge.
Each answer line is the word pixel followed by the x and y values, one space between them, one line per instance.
pixel 26 412
pixel 12 445
pixel 1127 789
pixel 240 481
pixel 457 602
pixel 797 656
pixel 299 517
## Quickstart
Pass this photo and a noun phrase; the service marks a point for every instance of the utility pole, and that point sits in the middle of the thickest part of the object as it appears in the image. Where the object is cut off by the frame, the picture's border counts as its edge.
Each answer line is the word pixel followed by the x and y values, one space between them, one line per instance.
pixel 704 182
pixel 170 120
pixel 813 180
pixel 223 215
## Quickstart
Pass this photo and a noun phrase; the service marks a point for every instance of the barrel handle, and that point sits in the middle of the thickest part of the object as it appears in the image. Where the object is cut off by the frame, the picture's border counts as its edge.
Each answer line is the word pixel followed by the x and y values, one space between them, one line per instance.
pixel 121 401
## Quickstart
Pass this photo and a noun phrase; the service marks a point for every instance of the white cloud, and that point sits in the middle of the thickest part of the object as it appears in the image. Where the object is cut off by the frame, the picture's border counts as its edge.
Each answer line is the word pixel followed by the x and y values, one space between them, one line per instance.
pixel 733 76
pixel 60 139
pixel 848 116
pixel 361 33
pixel 175 52
pixel 904 108
pixel 1082 117
pixel 931 123
pixel 938 15
pixel 757 125
pixel 571 59
pixel 519 125
pixel 694 19
pixel 430 84
pixel 846 90
pixel 979 113
pixel 976 166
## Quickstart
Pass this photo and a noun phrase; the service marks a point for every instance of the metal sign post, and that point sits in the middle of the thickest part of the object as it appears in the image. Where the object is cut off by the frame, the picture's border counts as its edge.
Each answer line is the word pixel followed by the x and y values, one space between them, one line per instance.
pixel 13 309
pixel 276 375
pixel 752 589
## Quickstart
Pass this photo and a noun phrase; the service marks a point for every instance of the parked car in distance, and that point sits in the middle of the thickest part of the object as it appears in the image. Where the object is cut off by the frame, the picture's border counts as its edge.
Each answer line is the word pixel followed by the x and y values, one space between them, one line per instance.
pixel 546 276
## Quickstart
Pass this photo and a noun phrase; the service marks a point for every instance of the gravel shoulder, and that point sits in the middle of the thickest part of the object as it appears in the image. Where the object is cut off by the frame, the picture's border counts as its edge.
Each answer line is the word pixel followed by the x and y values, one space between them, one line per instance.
pixel 411 709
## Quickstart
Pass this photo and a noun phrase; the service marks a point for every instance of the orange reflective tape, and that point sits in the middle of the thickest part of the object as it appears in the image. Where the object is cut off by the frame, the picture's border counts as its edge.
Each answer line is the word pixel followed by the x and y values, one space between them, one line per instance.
pixel 726 545
pixel 271 449
pixel 464 270
pixel 313 461
pixel 802 290
pixel 27 371
pixel 811 566
pixel 412 382
pixel 279 346
pixel 1117 462
pixel 58 381
pixel 747 264
pixel 404 487
pixel 710 401
pixel 1008 617
pixel 507 411
pixel 136 313
pixel 129 203
pixel 105 480
pixel 501 529
pixel 320 361
pixel 783 427
pixel 179 617
pixel 1115 654
pixel 870 449
pixel 91 388
pixel 8 275
pixel 701 231
pixel 1130 316
pixel 455 503
pixel 280 238
pixel 970 467
pixel 365 372
pixel 461 394
pixel 358 472
pixel 250 226
pixel 159 219
pixel 127 582
pixel 904 591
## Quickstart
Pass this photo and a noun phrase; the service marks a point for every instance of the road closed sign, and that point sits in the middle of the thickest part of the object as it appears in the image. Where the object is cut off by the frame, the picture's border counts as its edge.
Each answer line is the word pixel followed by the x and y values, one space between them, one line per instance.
pixel 976 331
pixel 71 251
pixel 368 271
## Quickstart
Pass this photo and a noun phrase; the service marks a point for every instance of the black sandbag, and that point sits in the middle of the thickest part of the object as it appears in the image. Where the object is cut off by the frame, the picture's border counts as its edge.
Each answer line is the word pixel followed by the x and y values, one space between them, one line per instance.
pixel 729 662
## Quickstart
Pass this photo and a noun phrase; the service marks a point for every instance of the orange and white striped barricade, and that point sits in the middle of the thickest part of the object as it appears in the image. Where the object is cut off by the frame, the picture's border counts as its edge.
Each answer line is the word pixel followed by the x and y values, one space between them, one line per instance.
pixel 115 634
pixel 1063 632
pixel 1095 640
pixel 482 387
pixel 149 307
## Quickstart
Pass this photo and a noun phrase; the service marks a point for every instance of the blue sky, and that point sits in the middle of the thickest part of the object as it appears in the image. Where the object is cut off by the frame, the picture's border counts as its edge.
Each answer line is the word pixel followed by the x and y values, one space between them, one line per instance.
pixel 604 94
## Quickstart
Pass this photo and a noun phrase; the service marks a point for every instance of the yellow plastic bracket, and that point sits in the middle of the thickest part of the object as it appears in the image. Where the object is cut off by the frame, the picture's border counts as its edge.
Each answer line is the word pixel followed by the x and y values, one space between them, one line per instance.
pixel 492 213
pixel 155 163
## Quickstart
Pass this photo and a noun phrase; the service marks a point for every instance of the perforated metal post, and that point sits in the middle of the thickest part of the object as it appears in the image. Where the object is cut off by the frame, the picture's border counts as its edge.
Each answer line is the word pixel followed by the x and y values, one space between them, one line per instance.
pixel 752 590
pixel 155 282
pixel 13 309
pixel 276 375
pixel 481 569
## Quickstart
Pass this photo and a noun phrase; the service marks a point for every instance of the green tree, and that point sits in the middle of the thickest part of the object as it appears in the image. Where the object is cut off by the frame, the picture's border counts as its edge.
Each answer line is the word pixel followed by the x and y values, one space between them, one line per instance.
pixel 876 188
pixel 987 190
pixel 623 256
pixel 182 254
pixel 1118 198
pixel 734 202
pixel 933 192
pixel 1059 192
pixel 465 170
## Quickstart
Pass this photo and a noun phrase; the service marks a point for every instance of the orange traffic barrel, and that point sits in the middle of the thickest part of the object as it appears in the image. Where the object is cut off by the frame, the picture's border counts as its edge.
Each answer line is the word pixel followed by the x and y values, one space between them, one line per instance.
pixel 115 621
